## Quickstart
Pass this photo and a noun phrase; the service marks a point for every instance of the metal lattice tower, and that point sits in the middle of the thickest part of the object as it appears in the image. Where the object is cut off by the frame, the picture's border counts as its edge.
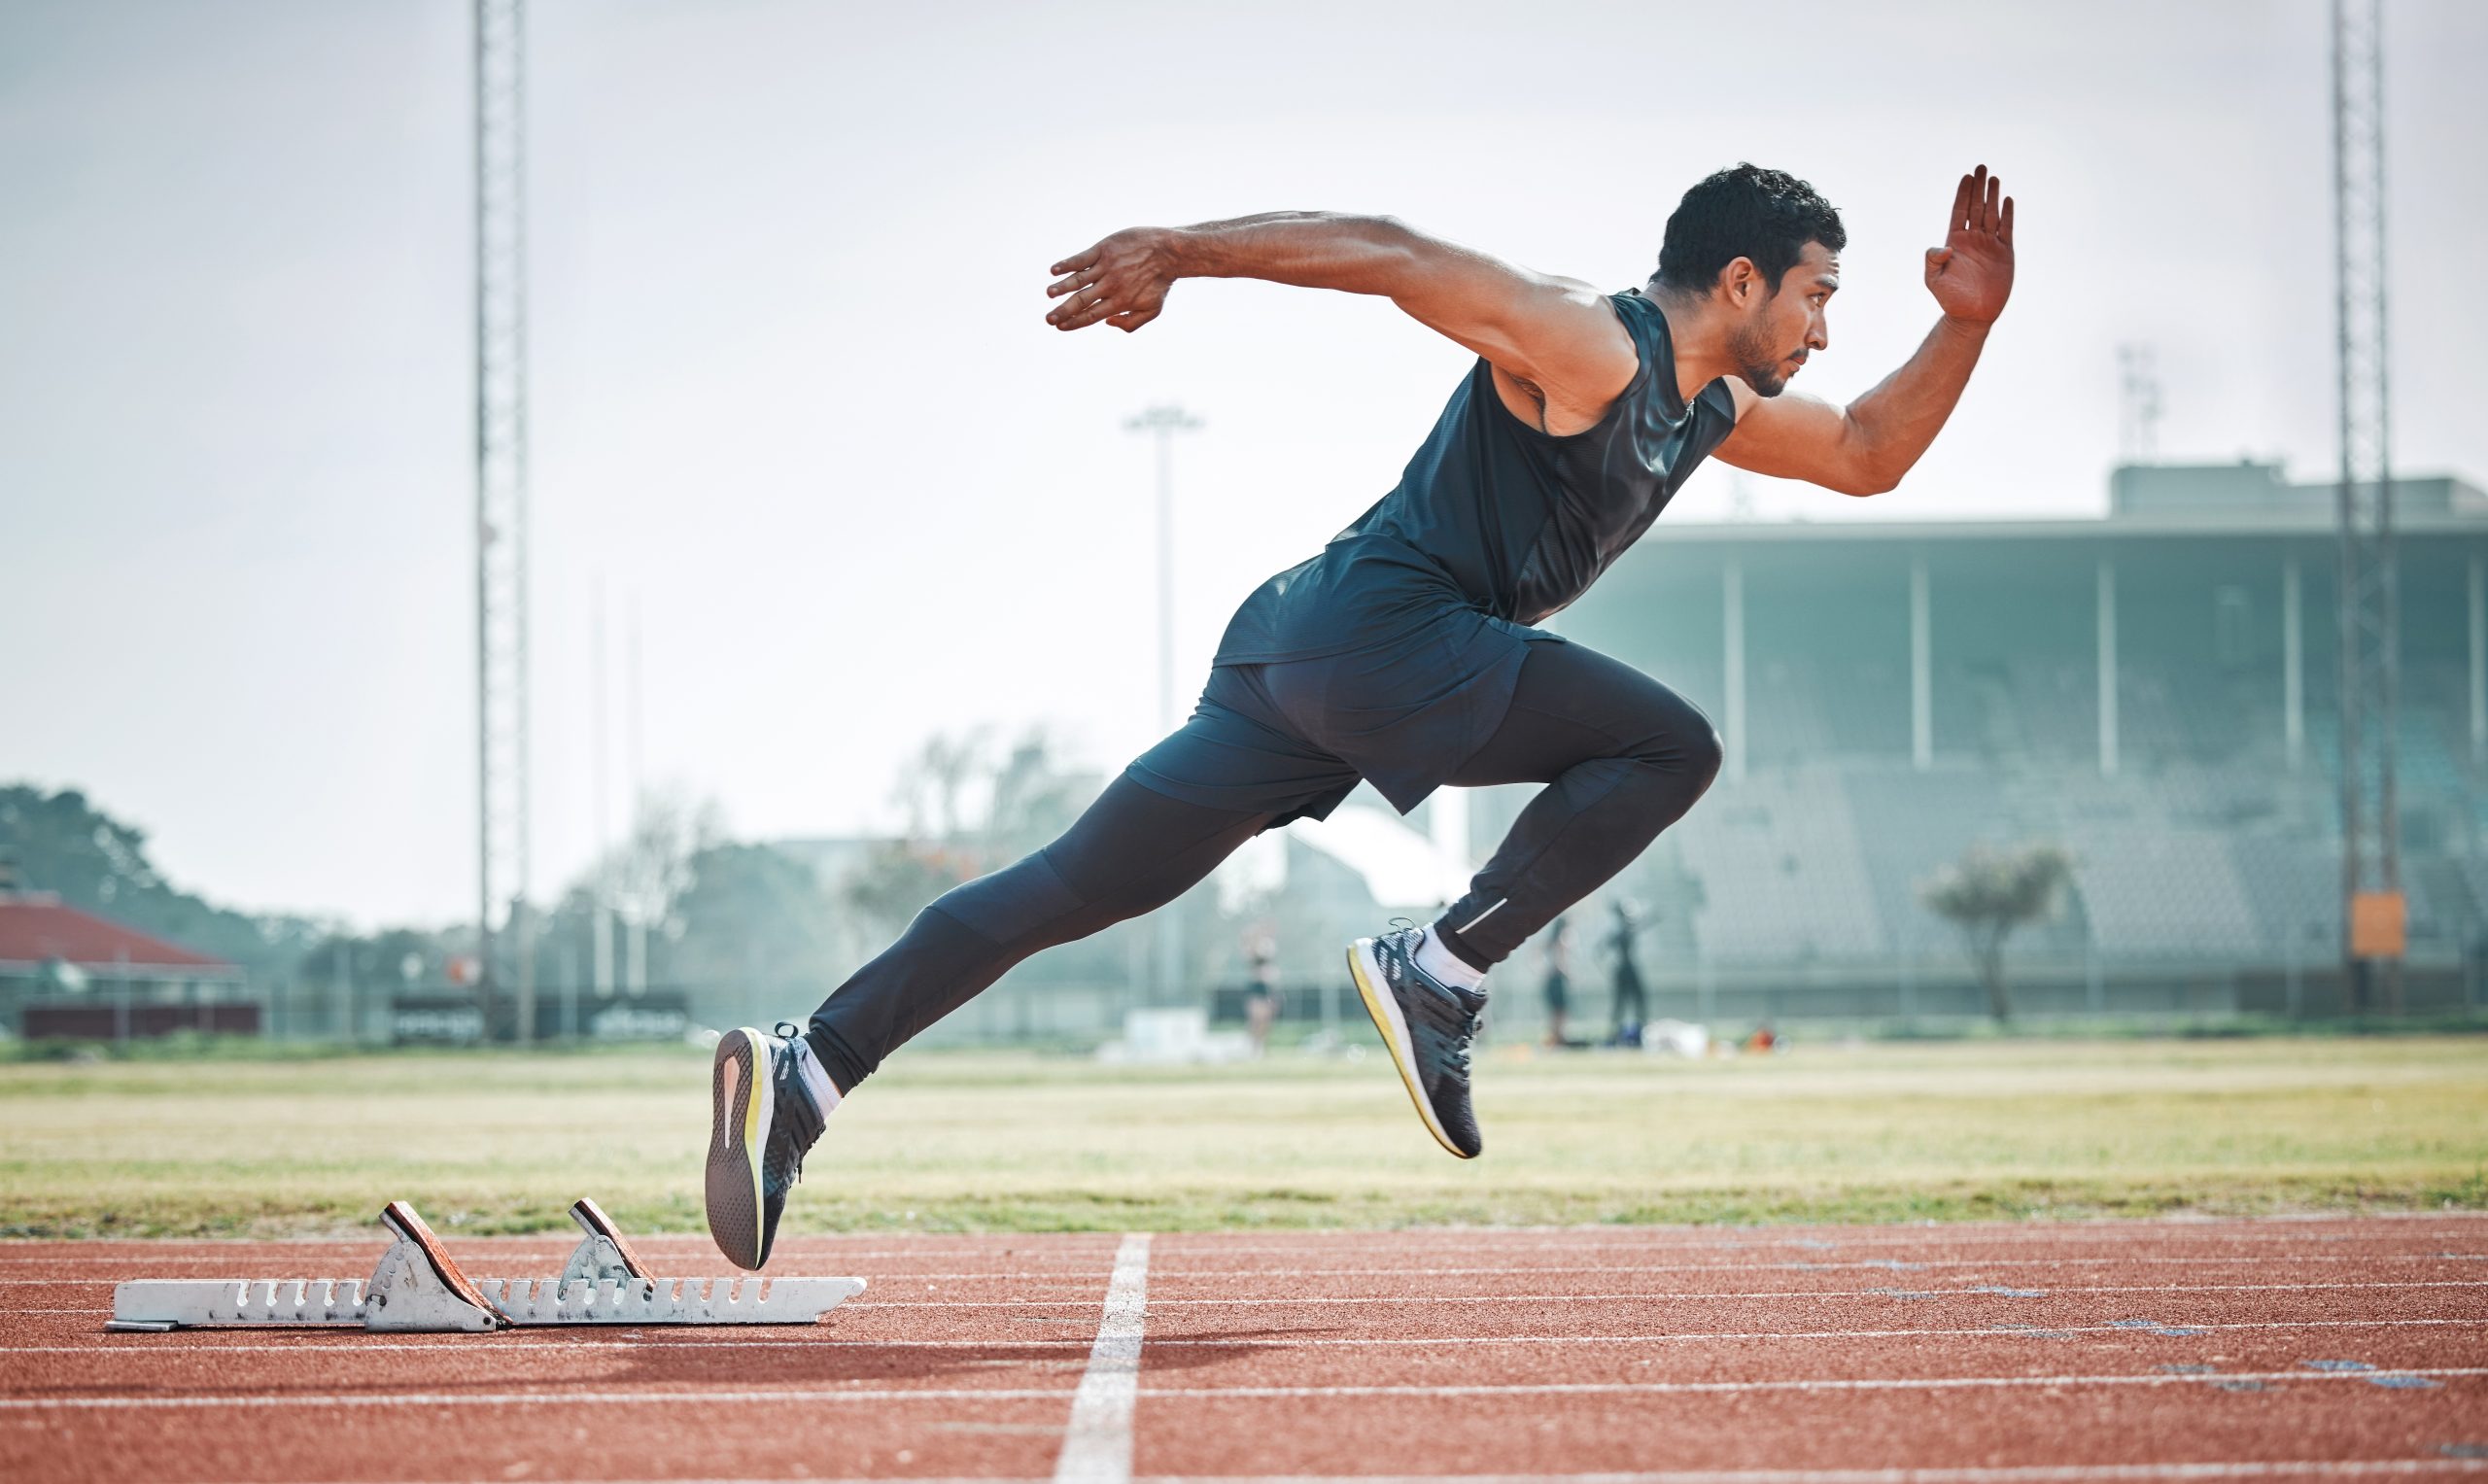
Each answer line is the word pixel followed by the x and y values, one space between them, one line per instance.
pixel 2369 599
pixel 501 507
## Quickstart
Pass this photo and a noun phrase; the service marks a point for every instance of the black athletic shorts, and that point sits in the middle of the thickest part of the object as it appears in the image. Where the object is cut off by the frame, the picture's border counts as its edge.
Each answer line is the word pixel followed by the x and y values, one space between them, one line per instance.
pixel 1293 738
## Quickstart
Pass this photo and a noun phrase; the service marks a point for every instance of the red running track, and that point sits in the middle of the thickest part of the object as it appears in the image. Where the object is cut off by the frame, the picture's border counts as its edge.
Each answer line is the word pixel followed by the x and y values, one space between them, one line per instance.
pixel 2332 1349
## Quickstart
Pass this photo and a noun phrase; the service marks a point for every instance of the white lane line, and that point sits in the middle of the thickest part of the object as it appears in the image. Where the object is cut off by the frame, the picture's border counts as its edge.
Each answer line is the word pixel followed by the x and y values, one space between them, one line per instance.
pixel 550 1399
pixel 1895 1290
pixel 1074 1284
pixel 2043 1473
pixel 884 1396
pixel 1087 1268
pixel 2039 1474
pixel 2275 1228
pixel 1857 1384
pixel 1096 1448
pixel 1884 1265
pixel 1165 1274
pixel 514 1344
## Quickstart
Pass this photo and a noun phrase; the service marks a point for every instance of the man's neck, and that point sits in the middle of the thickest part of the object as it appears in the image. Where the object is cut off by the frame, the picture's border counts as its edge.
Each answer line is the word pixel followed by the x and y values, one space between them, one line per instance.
pixel 1698 336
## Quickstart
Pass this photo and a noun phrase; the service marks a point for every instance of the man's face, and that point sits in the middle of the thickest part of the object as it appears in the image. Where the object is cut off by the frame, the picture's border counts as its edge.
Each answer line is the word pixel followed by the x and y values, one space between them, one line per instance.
pixel 1781 330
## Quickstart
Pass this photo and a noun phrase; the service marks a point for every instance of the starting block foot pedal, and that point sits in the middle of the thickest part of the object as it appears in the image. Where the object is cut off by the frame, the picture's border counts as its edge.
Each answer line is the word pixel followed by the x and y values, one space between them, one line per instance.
pixel 419 1287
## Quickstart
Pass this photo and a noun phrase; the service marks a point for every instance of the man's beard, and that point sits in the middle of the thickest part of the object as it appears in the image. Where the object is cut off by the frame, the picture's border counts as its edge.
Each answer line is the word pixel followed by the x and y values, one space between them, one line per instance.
pixel 1757 362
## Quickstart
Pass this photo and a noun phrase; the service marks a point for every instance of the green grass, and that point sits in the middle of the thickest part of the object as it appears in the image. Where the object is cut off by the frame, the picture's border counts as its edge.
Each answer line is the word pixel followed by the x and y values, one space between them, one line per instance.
pixel 1015 1141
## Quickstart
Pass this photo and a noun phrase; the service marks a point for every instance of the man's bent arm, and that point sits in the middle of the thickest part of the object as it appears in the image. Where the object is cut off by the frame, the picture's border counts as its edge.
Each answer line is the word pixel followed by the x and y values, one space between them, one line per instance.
pixel 1550 334
pixel 1867 446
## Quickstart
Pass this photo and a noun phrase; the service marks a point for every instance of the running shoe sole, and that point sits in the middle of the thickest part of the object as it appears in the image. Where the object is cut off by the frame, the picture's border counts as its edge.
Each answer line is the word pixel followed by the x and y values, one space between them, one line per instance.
pixel 1384 1007
pixel 739 1088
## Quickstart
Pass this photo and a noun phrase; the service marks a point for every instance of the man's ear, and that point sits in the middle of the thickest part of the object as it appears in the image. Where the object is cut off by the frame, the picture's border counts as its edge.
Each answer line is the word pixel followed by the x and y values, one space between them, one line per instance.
pixel 1741 282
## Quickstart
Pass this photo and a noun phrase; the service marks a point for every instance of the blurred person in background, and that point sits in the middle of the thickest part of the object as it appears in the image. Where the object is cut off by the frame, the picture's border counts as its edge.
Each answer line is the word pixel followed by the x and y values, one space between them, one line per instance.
pixel 1405 654
pixel 1559 982
pixel 1623 940
pixel 1261 987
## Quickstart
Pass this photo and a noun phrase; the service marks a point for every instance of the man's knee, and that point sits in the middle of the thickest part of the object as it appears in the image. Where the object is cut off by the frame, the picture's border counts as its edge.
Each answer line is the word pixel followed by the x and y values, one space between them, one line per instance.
pixel 1687 749
pixel 1703 755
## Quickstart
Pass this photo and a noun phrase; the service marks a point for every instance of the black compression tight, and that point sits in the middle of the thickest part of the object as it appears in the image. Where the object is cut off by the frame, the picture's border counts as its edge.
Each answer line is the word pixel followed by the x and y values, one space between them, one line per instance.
pixel 1132 852
pixel 1623 757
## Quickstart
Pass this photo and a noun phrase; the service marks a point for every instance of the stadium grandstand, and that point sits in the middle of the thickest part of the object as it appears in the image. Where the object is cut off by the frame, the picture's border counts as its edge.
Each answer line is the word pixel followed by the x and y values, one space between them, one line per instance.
pixel 2154 692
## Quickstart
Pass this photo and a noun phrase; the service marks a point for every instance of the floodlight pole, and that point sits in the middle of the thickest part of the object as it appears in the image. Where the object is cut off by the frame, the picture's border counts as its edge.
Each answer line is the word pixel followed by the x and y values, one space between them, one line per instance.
pixel 2371 901
pixel 501 506
pixel 1164 421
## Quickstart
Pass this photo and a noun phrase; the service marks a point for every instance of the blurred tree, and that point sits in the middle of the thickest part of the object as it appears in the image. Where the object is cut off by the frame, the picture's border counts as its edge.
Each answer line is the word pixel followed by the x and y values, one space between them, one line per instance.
pixel 59 843
pixel 648 873
pixel 1989 895
pixel 967 814
pixel 748 911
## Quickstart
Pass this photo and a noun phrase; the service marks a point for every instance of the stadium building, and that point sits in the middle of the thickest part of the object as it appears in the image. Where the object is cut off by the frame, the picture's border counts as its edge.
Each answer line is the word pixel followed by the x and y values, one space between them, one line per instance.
pixel 2154 692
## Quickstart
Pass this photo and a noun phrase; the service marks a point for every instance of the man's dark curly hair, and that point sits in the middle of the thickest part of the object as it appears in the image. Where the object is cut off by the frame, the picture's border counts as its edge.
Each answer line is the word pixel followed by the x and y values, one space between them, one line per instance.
pixel 1748 212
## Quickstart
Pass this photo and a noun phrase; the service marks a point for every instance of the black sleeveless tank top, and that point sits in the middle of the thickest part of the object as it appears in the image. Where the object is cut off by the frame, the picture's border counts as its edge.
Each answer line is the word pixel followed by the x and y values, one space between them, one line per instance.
pixel 1492 515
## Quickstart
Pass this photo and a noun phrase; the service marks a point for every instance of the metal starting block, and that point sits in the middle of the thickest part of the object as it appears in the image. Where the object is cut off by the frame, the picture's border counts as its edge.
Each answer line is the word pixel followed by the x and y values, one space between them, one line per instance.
pixel 419 1287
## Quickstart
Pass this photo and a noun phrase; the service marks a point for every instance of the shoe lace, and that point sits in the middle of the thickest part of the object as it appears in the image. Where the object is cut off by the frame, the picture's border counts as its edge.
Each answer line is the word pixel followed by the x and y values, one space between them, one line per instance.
pixel 1456 1055
pixel 784 1159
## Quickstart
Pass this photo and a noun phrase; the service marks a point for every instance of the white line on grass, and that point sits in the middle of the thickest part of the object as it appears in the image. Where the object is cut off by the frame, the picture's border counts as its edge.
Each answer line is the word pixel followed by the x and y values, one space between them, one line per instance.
pixel 883 1396
pixel 1096 1448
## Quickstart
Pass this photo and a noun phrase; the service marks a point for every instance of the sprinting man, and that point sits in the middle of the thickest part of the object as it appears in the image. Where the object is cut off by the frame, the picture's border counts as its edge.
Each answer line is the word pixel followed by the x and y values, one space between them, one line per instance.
pixel 1403 655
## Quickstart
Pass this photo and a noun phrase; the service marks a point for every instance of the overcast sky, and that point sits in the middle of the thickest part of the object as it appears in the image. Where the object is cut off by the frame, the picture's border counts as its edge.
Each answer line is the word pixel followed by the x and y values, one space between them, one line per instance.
pixel 794 398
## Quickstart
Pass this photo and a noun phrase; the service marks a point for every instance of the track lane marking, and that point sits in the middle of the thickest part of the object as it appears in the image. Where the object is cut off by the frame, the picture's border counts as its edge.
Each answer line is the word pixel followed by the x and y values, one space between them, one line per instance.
pixel 2040 1473
pixel 1996 1475
pixel 1877 1292
pixel 1165 1274
pixel 2037 1474
pixel 1097 1445
pixel 2307 1228
pixel 608 1396
pixel 516 1344
pixel 853 1304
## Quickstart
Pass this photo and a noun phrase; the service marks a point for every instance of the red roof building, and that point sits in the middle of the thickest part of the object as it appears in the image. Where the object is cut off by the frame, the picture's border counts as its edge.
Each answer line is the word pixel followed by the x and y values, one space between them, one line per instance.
pixel 36 928
pixel 70 974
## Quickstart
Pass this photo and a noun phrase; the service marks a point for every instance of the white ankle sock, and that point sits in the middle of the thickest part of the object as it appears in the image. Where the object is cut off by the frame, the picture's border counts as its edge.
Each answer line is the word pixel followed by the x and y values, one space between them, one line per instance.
pixel 1445 966
pixel 816 1078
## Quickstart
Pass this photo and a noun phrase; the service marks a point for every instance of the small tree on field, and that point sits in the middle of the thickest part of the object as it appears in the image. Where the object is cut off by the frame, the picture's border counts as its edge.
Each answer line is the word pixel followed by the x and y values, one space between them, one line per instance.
pixel 1987 895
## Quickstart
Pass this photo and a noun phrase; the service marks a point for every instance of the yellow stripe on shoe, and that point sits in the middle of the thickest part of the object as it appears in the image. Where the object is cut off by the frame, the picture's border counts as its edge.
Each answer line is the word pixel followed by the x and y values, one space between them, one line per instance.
pixel 1402 1058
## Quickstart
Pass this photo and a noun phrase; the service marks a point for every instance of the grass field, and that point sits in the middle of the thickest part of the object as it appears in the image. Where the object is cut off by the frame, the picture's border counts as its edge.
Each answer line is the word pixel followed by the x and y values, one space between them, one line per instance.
pixel 942 1140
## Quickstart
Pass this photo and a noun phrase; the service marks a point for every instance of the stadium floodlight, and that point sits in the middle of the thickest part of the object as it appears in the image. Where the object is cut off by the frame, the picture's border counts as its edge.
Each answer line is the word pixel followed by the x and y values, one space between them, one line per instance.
pixel 2373 909
pixel 501 504
pixel 1164 421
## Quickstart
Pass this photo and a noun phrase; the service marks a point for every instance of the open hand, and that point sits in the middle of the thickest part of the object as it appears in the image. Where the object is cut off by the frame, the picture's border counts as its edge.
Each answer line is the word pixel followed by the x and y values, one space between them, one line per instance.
pixel 1970 275
pixel 1122 280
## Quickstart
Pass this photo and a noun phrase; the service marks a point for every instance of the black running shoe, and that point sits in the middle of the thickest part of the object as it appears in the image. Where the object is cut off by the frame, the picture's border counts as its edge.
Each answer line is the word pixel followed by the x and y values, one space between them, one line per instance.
pixel 767 1118
pixel 1428 1027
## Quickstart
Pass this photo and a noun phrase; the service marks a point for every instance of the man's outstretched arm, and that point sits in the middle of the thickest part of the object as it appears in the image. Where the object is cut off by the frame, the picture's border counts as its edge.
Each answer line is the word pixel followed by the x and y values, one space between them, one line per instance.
pixel 1551 340
pixel 1867 446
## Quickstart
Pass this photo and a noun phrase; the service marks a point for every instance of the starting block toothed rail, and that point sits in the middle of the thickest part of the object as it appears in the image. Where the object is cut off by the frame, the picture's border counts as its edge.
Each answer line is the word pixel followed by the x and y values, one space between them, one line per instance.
pixel 419 1287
